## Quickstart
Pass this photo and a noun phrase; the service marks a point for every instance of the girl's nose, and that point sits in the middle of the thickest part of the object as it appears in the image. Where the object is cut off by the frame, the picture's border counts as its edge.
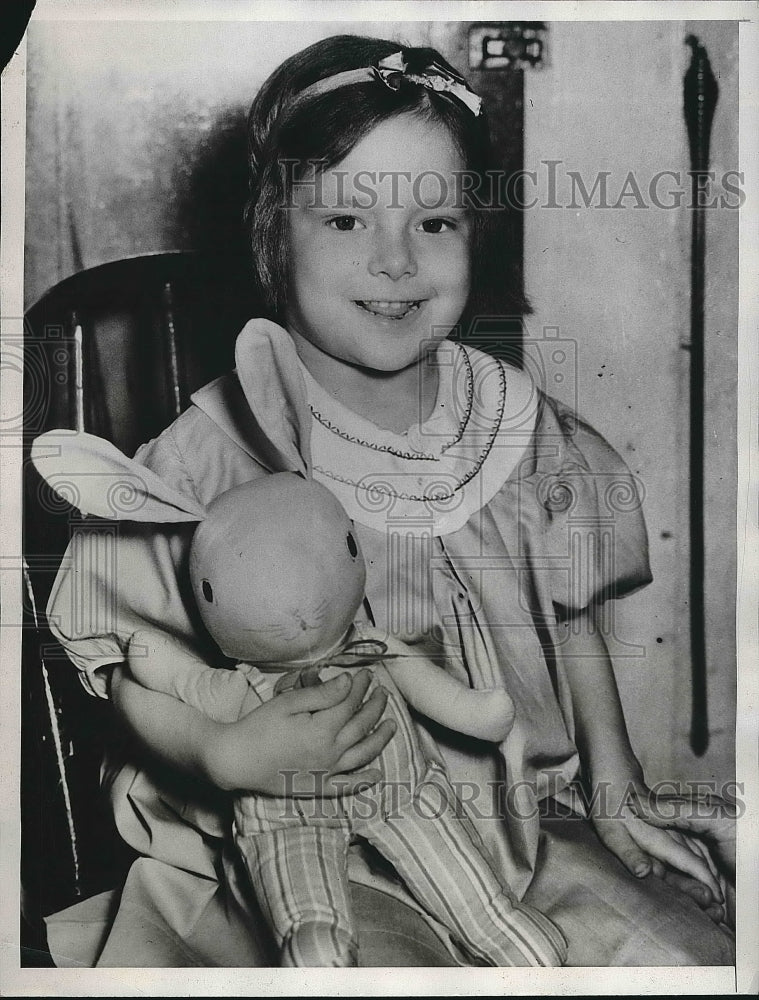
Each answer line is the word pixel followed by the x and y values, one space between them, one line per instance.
pixel 393 256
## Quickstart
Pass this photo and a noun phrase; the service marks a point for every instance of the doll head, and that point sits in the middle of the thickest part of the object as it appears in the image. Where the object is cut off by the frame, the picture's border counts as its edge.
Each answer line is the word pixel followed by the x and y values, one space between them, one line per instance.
pixel 276 570
pixel 293 124
pixel 275 566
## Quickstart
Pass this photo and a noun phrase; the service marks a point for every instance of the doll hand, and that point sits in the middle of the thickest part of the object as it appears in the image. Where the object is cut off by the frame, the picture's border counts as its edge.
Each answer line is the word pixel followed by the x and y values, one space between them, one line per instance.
pixel 644 848
pixel 484 713
pixel 311 741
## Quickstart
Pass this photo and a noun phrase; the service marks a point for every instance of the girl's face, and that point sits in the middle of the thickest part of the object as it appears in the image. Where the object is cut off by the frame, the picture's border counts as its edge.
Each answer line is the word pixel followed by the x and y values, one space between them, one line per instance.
pixel 379 250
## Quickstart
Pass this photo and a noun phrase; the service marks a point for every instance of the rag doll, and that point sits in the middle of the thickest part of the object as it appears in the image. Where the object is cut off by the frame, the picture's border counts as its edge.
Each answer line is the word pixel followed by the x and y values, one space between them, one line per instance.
pixel 278 577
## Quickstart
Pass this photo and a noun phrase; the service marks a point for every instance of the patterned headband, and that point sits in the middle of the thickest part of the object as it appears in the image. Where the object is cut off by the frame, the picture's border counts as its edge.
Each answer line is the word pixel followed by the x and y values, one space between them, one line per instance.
pixel 391 71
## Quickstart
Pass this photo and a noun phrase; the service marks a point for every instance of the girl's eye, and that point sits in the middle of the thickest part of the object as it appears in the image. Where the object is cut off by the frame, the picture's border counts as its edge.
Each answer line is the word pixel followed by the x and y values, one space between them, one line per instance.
pixel 207 591
pixel 352 547
pixel 434 226
pixel 344 223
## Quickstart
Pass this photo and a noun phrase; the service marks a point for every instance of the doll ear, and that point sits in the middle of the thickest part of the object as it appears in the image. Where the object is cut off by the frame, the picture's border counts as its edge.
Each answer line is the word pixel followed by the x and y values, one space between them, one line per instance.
pixel 93 475
pixel 270 376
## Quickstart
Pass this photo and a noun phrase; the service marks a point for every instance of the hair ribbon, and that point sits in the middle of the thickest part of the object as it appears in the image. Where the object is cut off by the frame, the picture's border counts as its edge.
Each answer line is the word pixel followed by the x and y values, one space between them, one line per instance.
pixel 391 71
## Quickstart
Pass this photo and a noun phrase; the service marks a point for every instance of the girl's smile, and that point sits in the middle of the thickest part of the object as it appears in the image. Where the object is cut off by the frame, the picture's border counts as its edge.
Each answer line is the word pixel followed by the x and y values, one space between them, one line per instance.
pixel 391 310
pixel 379 253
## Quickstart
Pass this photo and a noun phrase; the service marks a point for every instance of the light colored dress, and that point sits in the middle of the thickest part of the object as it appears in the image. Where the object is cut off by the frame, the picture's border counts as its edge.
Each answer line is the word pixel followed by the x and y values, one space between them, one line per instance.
pixel 475 526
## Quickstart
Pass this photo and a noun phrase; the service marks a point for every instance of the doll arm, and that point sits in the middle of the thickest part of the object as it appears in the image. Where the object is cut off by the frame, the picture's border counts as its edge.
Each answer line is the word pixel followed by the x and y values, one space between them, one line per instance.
pixel 486 714
pixel 161 663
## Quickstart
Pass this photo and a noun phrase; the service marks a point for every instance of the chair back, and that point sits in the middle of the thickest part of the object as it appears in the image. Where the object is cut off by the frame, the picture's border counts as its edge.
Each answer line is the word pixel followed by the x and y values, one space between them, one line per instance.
pixel 115 350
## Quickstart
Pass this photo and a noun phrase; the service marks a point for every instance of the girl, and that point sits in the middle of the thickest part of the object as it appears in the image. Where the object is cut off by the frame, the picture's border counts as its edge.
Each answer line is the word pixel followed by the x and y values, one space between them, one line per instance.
pixel 468 489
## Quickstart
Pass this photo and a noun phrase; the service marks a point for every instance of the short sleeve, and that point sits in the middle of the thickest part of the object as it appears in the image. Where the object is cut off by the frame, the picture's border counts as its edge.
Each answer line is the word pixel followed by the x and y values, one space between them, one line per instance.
pixel 117 577
pixel 595 542
pixel 114 580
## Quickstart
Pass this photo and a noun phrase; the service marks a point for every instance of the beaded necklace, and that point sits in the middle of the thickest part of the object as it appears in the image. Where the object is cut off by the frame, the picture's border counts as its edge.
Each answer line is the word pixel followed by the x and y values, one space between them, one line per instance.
pixel 377 487
pixel 415 456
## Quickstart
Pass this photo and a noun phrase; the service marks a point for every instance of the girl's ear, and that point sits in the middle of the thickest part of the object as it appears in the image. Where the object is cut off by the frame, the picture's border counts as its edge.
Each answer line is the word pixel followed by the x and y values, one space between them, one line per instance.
pixel 270 376
pixel 93 475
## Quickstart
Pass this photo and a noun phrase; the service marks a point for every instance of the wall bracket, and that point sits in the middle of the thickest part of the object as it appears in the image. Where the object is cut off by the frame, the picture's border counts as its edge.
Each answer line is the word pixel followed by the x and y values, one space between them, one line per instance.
pixel 508 45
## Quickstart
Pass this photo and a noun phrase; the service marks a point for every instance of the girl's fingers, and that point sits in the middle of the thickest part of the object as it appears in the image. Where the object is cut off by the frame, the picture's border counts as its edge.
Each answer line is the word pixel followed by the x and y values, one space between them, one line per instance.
pixel 309 676
pixel 318 698
pixel 693 844
pixel 700 849
pixel 691 887
pixel 712 818
pixel 691 815
pixel 697 891
pixel 340 697
pixel 337 716
pixel 657 868
pixel 366 750
pixel 362 723
pixel 717 912
pixel 661 845
pixel 615 837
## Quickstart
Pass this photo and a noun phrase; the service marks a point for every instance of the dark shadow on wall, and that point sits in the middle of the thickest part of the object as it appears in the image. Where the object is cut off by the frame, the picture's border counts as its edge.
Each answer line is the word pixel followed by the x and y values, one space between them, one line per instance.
pixel 211 182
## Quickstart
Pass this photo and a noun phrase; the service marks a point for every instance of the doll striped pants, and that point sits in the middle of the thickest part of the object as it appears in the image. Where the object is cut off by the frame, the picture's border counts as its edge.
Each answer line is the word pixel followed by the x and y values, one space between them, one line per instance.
pixel 295 853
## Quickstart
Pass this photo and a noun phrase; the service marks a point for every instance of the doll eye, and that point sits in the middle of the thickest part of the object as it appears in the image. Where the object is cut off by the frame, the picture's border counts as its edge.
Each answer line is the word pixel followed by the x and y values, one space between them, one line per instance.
pixel 207 591
pixel 352 547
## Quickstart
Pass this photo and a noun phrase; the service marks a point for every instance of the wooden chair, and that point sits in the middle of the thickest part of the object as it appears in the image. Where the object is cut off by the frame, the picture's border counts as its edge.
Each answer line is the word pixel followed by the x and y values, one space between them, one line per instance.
pixel 115 350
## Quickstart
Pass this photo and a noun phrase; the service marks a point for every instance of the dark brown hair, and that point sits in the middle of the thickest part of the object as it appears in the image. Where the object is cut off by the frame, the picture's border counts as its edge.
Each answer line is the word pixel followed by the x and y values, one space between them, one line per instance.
pixel 319 129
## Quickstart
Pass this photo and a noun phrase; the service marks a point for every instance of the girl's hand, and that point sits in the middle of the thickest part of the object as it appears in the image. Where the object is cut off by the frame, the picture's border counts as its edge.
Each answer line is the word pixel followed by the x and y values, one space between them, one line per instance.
pixel 645 848
pixel 311 741
pixel 711 822
pixel 608 758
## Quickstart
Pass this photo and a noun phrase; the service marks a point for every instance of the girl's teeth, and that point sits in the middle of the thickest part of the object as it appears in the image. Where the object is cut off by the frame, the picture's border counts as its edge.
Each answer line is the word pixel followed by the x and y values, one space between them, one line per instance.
pixel 389 309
